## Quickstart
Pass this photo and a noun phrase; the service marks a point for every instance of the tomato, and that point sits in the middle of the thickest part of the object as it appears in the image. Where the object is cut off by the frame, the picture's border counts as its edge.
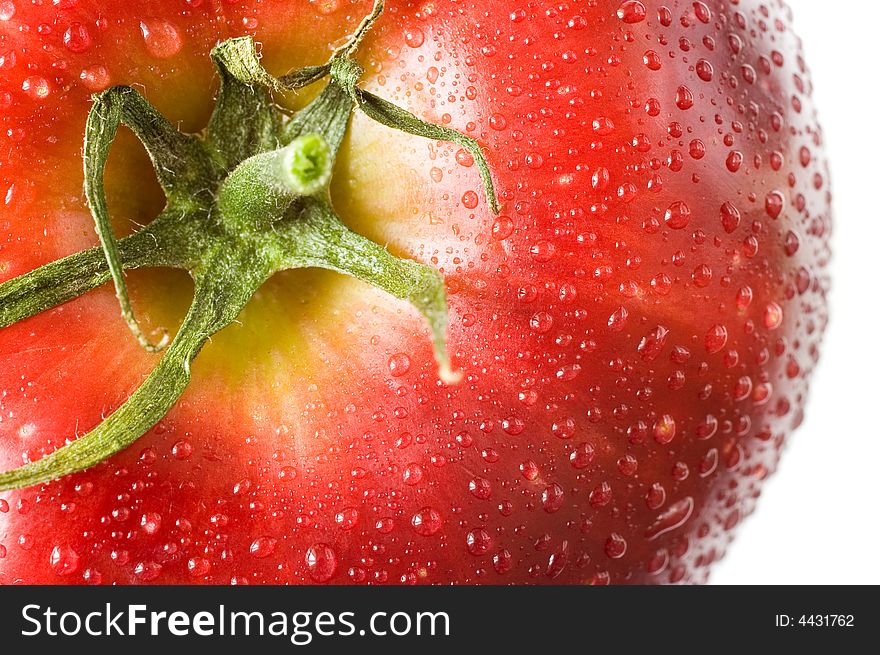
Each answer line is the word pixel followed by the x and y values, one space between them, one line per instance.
pixel 635 330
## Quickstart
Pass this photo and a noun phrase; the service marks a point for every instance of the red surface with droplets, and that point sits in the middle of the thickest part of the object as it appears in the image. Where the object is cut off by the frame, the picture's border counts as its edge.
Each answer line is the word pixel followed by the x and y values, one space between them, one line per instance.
pixel 636 330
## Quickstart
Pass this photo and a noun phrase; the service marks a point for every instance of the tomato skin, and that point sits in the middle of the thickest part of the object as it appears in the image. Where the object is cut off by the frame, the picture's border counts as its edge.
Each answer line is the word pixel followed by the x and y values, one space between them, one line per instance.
pixel 637 328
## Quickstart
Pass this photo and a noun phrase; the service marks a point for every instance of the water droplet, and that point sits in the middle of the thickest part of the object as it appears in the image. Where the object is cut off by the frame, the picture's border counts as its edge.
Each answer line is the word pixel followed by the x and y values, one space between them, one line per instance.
pixel 664 429
pixel 582 456
pixel 151 522
pixel 502 561
pixel 77 38
pixel 480 488
pixel 632 11
pixel 324 7
pixel 321 562
pixel 479 542
pixel 702 12
pixel 182 449
pixel 489 455
pixel 147 571
pixel 674 517
pixel 734 161
pixel 162 39
pixel 7 10
pixel 464 158
pixel 541 322
pixel 529 470
pixel 95 78
pixel 470 199
pixel 707 428
pixel 347 518
pixel 385 525
pixel 563 429
pixel 543 251
pixel 603 126
pixel 427 521
pixel 792 243
pixel 552 498
pixel 93 577
pixel 684 98
pixel 772 316
pixel 36 87
pixel 263 547
pixel 502 228
pixel 730 217
pixel 652 60
pixel 198 567
pixel 64 560
pixel 744 298
pixel 413 474
pixel 652 344
pixel 615 546
pixel 716 339
pixel 618 320
pixel 774 203
pixel 497 122
pixel 704 70
pixel 656 496
pixel 4 506
pixel 413 37
pixel 697 149
pixel 398 364
pixel 678 215
pixel 601 495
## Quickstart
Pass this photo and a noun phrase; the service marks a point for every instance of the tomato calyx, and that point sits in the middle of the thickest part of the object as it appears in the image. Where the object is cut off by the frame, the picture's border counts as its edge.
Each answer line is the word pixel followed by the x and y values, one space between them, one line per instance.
pixel 244 200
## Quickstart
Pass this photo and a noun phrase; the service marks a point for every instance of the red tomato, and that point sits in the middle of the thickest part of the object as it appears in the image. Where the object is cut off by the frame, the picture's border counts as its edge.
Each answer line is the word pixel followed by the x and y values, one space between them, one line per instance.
pixel 635 329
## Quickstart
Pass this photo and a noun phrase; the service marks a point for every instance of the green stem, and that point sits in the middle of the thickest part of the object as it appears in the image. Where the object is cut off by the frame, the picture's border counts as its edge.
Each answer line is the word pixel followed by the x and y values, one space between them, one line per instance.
pixel 260 190
pixel 323 241
pixel 218 299
pixel 65 279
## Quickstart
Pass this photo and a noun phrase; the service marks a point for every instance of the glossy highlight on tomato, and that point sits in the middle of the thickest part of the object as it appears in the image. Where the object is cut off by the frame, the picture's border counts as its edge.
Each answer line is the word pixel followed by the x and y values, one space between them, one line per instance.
pixel 635 330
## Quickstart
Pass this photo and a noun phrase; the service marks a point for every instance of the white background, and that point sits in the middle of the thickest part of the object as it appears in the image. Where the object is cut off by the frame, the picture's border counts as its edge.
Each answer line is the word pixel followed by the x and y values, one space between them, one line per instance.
pixel 818 520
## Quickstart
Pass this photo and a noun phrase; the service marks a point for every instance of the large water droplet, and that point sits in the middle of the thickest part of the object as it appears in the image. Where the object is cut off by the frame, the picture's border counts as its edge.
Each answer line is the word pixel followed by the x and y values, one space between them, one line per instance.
pixel 552 498
pixel 162 39
pixel 36 87
pixel 427 521
pixel 147 571
pixel 151 522
pixel 615 546
pixel 398 364
pixel 262 547
pixel 674 517
pixel 678 215
pixel 64 560
pixel 480 487
pixel 413 36
pixel 321 562
pixel 7 10
pixel 632 11
pixel 716 339
pixel 478 542
pixel 77 38
pixel 347 518
pixel 198 567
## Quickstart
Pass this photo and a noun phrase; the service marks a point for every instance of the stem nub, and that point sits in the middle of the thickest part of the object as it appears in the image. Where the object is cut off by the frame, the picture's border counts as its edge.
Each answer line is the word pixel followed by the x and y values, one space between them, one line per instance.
pixel 307 164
